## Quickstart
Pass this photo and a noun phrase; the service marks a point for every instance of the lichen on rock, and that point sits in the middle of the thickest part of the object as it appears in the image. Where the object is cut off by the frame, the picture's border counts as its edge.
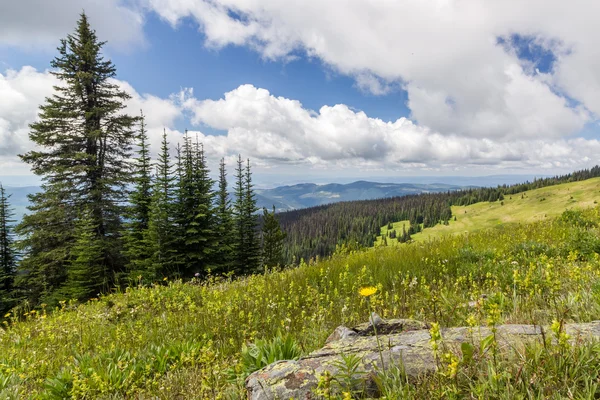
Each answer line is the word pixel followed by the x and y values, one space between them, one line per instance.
pixel 404 342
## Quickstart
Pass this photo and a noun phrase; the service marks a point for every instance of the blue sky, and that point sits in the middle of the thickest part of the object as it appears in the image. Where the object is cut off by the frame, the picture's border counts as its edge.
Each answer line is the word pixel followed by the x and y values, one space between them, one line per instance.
pixel 316 91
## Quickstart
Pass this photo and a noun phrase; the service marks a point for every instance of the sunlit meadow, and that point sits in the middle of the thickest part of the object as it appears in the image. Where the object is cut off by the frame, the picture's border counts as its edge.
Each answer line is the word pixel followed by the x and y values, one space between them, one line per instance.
pixel 184 340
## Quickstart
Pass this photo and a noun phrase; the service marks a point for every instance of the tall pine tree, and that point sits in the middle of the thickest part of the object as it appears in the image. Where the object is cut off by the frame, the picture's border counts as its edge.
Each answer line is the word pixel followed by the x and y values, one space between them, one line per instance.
pixel 272 240
pixel 8 256
pixel 194 212
pixel 238 216
pixel 161 231
pixel 225 228
pixel 137 250
pixel 86 273
pixel 253 256
pixel 85 141
pixel 247 244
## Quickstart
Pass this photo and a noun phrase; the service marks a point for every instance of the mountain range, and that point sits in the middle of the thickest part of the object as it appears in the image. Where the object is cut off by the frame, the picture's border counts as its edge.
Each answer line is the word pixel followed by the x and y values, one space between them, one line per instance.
pixel 290 197
pixel 310 194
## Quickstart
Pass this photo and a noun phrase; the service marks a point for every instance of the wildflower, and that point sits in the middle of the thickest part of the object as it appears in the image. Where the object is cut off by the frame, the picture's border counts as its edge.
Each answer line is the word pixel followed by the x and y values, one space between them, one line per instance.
pixel 436 337
pixel 367 291
pixel 471 320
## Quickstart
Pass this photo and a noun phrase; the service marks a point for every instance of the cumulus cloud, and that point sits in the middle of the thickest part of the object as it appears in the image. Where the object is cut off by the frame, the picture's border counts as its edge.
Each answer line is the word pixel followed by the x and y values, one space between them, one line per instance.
pixel 445 54
pixel 276 130
pixel 41 23
pixel 22 91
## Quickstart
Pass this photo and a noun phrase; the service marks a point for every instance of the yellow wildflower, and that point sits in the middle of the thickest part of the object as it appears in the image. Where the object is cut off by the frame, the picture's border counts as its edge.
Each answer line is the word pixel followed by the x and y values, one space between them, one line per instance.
pixel 367 291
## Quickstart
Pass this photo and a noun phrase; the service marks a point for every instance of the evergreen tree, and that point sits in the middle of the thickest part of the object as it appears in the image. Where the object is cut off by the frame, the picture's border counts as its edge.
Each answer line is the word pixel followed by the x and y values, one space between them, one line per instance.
pixel 238 215
pixel 252 241
pixel 196 237
pixel 247 246
pixel 272 240
pixel 160 235
pixel 84 140
pixel 225 228
pixel 206 240
pixel 8 256
pixel 85 275
pixel 138 252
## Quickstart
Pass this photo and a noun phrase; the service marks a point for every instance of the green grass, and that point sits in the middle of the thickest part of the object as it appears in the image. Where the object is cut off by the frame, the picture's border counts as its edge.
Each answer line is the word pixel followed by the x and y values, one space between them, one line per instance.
pixel 531 206
pixel 397 226
pixel 180 340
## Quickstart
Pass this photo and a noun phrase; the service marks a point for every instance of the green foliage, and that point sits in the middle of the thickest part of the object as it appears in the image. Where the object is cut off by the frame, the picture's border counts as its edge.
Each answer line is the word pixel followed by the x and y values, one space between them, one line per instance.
pixel 578 218
pixel 195 228
pixel 198 329
pixel 83 145
pixel 137 250
pixel 263 352
pixel 224 256
pixel 86 273
pixel 247 246
pixel 161 230
pixel 350 377
pixel 272 240
pixel 317 231
pixel 8 256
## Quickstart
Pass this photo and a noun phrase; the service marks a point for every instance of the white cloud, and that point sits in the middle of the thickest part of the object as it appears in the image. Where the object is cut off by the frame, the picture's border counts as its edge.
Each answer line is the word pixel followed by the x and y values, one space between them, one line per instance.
pixel 41 23
pixel 20 93
pixel 443 52
pixel 23 91
pixel 277 131
pixel 279 134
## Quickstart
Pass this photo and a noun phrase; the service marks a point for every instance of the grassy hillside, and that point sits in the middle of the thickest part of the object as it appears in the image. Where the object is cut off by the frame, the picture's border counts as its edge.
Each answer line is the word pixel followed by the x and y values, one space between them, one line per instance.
pixel 176 340
pixel 530 206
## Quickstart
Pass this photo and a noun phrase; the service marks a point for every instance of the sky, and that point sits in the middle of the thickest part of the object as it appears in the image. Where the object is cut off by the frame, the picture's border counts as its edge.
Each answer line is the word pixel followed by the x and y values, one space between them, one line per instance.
pixel 330 91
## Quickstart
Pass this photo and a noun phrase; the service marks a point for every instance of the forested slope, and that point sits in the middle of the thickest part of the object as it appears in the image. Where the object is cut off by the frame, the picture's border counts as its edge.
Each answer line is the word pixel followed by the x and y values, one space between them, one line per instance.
pixel 317 231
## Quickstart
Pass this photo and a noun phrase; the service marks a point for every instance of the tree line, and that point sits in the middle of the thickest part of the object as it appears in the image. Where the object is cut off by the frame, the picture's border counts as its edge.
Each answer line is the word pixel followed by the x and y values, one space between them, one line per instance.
pixel 110 216
pixel 318 231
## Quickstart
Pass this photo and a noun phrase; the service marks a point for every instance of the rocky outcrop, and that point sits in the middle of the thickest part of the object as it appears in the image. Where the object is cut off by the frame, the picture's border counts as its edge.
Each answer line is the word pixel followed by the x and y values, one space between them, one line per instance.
pixel 403 342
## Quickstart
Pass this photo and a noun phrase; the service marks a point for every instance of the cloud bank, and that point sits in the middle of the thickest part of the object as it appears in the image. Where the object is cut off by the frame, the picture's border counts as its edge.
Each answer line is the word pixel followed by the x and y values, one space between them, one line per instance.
pixel 476 103
pixel 40 24
pixel 444 53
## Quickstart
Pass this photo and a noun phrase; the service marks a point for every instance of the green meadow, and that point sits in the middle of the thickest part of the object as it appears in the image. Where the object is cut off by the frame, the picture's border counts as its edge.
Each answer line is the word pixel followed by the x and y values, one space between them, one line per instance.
pixel 530 206
pixel 176 340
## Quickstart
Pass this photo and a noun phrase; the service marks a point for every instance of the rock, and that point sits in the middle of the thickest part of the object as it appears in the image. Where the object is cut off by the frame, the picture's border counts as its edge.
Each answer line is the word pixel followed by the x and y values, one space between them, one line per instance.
pixel 388 326
pixel 341 332
pixel 405 343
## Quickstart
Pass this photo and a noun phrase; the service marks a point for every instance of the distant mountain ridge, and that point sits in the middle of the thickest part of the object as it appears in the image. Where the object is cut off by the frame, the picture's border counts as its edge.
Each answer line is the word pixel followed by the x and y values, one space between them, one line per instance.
pixel 303 195
pixel 290 197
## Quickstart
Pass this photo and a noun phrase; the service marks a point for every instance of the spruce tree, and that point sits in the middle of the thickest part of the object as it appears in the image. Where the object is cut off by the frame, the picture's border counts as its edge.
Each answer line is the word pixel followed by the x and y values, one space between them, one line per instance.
pixel 272 240
pixel 84 141
pixel 8 256
pixel 205 241
pixel 138 252
pixel 225 228
pixel 195 220
pixel 86 274
pixel 238 215
pixel 160 235
pixel 251 241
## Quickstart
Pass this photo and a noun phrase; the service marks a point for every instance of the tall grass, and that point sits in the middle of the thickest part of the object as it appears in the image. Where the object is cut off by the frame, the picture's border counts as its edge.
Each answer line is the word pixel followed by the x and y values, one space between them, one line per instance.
pixel 178 339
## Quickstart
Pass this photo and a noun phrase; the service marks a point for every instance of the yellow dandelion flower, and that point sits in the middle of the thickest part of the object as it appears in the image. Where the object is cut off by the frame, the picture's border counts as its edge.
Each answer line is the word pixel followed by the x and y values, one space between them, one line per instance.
pixel 367 291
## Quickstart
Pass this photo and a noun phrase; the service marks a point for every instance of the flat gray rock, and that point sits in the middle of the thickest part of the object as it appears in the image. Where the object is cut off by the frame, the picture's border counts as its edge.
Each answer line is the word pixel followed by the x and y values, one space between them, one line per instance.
pixel 403 342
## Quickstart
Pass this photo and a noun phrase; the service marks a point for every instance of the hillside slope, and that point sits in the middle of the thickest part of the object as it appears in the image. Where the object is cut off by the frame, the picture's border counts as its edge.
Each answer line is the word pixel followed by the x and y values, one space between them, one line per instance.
pixel 530 206
pixel 184 340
